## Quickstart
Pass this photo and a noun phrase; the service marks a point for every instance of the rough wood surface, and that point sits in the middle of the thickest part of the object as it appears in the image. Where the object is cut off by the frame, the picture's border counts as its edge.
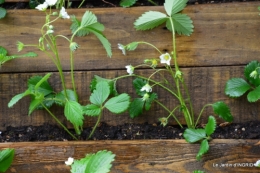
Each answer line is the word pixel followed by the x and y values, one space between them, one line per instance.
pixel 224 34
pixel 224 39
pixel 205 83
pixel 149 156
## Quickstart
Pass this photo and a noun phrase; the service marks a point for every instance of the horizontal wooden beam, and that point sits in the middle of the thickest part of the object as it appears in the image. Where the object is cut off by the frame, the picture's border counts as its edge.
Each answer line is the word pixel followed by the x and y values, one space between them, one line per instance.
pixel 139 155
pixel 224 34
pixel 206 85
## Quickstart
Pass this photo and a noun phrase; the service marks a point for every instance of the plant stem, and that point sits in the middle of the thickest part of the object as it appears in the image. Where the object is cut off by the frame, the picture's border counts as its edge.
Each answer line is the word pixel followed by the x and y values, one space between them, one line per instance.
pixel 185 111
pixel 72 74
pixel 94 128
pixel 171 112
pixel 201 113
pixel 58 121
pixel 152 2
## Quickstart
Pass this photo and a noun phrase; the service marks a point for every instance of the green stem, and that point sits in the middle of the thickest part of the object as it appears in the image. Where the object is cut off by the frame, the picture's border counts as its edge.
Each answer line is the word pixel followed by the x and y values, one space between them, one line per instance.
pixel 152 2
pixel 82 2
pixel 201 113
pixel 158 83
pixel 94 128
pixel 143 42
pixel 72 74
pixel 171 112
pixel 186 113
pixel 58 121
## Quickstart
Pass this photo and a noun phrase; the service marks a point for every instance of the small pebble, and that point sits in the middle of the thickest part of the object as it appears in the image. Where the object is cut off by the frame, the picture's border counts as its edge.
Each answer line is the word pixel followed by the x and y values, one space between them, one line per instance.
pixel 243 129
pixel 180 134
pixel 235 130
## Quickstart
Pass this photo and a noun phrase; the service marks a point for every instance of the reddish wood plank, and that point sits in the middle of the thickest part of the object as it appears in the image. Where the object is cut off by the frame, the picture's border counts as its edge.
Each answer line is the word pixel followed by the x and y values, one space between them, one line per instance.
pixel 139 156
pixel 224 34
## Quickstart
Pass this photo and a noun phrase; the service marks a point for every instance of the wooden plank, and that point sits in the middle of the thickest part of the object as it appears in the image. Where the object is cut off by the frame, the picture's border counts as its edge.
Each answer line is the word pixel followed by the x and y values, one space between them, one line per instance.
pixel 206 85
pixel 139 156
pixel 225 34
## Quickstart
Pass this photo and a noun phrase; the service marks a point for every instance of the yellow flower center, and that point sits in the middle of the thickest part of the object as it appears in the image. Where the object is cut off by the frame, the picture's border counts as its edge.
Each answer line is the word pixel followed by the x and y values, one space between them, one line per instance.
pixel 166 57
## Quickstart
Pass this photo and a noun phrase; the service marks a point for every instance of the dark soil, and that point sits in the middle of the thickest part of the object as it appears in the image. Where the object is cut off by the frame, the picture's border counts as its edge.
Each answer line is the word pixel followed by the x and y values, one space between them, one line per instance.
pixel 248 130
pixel 114 3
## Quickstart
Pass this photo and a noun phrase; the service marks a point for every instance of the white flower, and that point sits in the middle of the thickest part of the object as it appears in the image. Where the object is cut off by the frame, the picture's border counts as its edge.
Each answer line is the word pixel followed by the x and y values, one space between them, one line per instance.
pixel 146 88
pixel 146 97
pixel 51 2
pixel 69 161
pixel 63 13
pixel 121 47
pixel 42 7
pixel 130 69
pixel 257 164
pixel 165 58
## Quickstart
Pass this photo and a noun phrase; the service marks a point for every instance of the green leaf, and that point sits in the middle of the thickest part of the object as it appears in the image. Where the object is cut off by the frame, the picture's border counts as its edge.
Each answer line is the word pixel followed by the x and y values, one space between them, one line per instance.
pixel 210 126
pixel 4 58
pixel 92 110
pixel 150 20
pixel 74 113
pixel 75 26
pixel 94 163
pixel 127 3
pixel 44 79
pixel 236 87
pixel 2 1
pixel 138 84
pixel 61 96
pixel 111 83
pixel 149 102
pixel 2 12
pixel 18 97
pixel 221 109
pixel 174 6
pixel 204 147
pixel 44 87
pixel 198 171
pixel 3 51
pixel 100 94
pixel 248 69
pixel 254 95
pixel 118 104
pixel 100 162
pixel 103 40
pixel 6 159
pixel 88 19
pixel 136 107
pixel 182 24
pixel 35 103
pixel 132 46
pixel 194 135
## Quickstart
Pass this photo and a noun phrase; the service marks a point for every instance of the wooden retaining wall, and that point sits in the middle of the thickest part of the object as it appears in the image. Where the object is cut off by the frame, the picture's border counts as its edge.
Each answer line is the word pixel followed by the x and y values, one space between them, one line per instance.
pixel 139 156
pixel 226 37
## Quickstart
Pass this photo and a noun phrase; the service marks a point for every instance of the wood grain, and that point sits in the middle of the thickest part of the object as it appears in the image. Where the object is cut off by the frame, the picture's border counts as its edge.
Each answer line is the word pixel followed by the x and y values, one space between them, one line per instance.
pixel 224 34
pixel 139 156
pixel 224 40
pixel 206 85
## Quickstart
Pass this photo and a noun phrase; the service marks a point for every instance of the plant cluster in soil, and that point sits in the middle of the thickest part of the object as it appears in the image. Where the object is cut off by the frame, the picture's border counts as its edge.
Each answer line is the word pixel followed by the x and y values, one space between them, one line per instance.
pixel 47 132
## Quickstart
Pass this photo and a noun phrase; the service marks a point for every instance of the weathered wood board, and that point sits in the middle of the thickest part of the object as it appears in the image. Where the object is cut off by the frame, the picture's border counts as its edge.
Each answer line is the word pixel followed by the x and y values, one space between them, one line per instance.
pixel 224 40
pixel 205 83
pixel 149 156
